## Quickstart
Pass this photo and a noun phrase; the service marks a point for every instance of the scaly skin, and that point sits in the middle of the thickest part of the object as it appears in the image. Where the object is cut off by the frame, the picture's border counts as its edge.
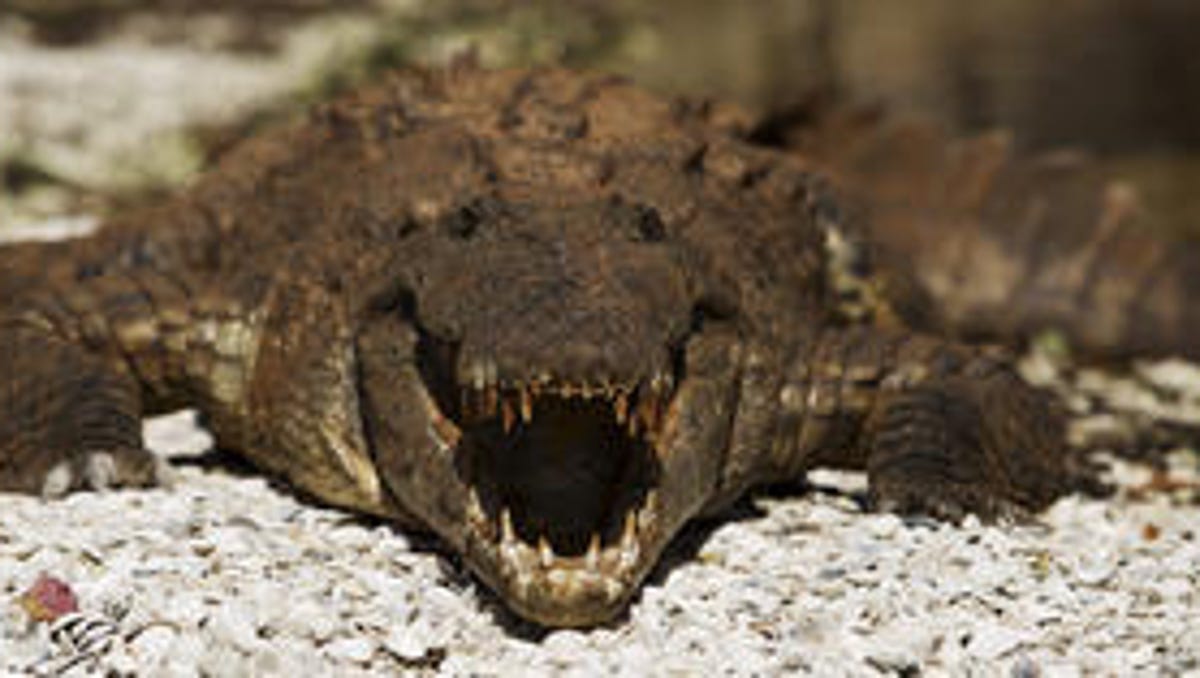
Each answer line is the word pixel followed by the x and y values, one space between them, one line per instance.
pixel 1005 245
pixel 547 316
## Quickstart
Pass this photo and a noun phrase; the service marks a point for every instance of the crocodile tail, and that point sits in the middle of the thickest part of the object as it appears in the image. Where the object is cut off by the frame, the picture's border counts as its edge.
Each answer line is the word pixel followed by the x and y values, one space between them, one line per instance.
pixel 1007 246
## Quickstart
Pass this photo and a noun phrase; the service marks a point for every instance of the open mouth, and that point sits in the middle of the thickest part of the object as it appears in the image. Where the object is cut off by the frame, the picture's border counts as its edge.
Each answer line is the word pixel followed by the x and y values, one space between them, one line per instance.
pixel 562 470
pixel 562 478
pixel 562 474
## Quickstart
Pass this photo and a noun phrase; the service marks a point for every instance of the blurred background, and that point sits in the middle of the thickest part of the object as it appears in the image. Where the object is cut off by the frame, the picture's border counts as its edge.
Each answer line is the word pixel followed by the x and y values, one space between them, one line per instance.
pixel 104 102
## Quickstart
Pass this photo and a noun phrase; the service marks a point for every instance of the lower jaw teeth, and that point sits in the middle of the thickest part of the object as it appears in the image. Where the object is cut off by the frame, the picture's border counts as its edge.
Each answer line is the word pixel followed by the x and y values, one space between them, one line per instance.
pixel 516 553
pixel 521 557
pixel 592 557
pixel 508 534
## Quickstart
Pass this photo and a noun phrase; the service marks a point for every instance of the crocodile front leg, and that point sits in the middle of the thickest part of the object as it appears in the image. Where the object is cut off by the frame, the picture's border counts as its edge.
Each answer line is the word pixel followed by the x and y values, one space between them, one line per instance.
pixel 941 429
pixel 68 418
pixel 270 363
pixel 80 364
pixel 973 438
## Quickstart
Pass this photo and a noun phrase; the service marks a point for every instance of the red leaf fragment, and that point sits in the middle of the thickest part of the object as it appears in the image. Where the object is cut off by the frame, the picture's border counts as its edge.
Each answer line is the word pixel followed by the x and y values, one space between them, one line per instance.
pixel 48 599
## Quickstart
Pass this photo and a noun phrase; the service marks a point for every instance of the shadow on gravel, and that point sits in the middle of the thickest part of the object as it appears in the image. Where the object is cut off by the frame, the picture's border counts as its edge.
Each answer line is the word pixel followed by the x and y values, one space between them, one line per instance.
pixel 226 462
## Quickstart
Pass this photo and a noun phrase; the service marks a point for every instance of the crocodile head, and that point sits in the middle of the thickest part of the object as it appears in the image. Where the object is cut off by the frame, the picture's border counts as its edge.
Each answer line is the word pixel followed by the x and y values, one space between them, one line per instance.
pixel 561 404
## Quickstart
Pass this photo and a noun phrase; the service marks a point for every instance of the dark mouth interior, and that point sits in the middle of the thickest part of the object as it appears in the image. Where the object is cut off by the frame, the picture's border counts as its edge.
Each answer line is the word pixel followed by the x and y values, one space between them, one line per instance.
pixel 576 467
pixel 568 462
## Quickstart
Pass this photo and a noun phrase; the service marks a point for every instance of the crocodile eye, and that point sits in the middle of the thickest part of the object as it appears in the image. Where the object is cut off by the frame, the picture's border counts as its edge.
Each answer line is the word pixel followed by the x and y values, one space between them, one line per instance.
pixel 650 225
pixel 463 222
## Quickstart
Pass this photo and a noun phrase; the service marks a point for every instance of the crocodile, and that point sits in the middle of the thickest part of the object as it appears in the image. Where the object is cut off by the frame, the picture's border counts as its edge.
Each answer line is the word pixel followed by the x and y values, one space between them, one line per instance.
pixel 989 243
pixel 547 316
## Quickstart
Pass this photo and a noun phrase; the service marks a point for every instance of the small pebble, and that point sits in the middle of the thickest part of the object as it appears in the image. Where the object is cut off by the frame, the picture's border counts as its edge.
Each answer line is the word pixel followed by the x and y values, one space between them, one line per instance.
pixel 409 643
pixel 154 645
pixel 1174 375
pixel 352 650
pixel 990 642
pixel 233 625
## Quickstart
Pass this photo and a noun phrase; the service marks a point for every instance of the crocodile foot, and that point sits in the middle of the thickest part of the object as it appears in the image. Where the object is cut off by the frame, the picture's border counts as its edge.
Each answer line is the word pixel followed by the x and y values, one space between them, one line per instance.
pixel 101 470
pixel 73 419
pixel 968 445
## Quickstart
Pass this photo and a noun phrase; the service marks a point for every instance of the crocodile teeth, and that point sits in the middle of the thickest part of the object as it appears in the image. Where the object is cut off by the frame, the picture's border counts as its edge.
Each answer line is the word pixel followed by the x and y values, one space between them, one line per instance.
pixel 545 552
pixel 509 416
pixel 628 549
pixel 592 557
pixel 661 383
pixel 648 412
pixel 475 507
pixel 507 532
pixel 629 531
pixel 446 434
pixel 526 405
pixel 649 511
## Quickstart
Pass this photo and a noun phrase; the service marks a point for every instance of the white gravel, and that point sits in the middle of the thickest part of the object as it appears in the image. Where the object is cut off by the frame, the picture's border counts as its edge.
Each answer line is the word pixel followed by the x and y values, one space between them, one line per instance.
pixel 108 115
pixel 222 574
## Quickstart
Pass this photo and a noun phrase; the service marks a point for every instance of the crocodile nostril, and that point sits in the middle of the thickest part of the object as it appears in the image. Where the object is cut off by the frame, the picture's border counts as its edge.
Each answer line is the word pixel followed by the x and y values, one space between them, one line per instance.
pixel 650 225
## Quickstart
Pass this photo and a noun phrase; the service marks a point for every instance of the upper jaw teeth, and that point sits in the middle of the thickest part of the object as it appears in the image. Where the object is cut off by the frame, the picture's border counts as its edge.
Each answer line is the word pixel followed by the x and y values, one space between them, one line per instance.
pixel 484 375
pixel 526 405
pixel 639 408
